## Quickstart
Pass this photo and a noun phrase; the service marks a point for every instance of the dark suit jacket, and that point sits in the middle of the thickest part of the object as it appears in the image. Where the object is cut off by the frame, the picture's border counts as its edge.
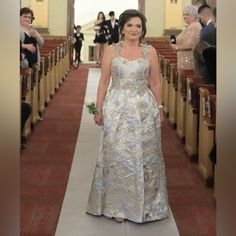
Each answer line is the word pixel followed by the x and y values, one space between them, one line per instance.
pixel 208 34
pixel 79 39
pixel 114 32
pixel 209 56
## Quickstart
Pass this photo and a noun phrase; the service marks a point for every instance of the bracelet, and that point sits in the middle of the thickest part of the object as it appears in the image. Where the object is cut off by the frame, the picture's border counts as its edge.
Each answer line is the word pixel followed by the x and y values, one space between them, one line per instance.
pixel 160 106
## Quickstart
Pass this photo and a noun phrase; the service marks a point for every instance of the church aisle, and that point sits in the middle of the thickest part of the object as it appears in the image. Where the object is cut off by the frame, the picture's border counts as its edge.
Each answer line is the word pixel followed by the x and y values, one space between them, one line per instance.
pixel 46 163
pixel 73 219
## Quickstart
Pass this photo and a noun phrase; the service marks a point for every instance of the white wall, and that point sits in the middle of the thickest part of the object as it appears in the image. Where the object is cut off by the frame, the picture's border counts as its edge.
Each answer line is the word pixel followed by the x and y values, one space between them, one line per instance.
pixel 155 13
pixel 10 117
pixel 57 17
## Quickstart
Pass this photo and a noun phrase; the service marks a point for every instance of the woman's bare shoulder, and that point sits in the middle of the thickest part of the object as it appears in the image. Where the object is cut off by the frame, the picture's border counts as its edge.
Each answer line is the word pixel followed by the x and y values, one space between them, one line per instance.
pixel 110 50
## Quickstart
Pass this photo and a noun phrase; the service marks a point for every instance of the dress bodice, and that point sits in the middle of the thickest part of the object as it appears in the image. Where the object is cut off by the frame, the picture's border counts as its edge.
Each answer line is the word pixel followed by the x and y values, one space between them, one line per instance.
pixel 130 74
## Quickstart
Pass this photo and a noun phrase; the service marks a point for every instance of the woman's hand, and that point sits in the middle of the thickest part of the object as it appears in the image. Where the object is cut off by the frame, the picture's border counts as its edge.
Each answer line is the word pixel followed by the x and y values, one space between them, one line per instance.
pixel 30 47
pixel 98 118
pixel 33 33
pixel 173 46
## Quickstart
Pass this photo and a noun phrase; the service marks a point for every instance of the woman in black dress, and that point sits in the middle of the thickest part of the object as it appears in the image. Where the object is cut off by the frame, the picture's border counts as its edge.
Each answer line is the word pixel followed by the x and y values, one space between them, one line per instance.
pixel 29 37
pixel 100 36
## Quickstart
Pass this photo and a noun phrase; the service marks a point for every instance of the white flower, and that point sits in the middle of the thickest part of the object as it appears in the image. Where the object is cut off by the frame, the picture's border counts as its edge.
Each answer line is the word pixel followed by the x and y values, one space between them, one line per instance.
pixel 89 101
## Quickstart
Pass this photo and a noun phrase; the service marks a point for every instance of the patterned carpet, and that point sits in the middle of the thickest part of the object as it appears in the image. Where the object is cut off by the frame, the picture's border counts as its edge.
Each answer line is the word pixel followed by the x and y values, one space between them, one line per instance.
pixel 46 163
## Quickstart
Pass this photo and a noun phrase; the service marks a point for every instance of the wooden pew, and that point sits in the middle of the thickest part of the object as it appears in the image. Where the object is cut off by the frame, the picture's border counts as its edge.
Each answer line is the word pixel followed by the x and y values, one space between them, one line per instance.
pixel 191 116
pixel 168 62
pixel 206 136
pixel 26 94
pixel 166 58
pixel 34 95
pixel 181 102
pixel 42 81
pixel 173 95
pixel 46 55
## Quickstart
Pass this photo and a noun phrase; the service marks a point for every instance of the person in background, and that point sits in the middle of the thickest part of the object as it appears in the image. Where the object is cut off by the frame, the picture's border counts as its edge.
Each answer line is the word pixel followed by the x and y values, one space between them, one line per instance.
pixel 199 3
pixel 207 39
pixel 30 39
pixel 208 32
pixel 79 38
pixel 29 36
pixel 187 39
pixel 100 36
pixel 112 29
pixel 129 180
pixel 209 55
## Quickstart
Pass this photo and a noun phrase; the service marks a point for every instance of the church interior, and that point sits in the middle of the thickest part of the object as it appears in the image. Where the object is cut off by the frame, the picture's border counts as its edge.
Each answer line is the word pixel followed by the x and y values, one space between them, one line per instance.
pixel 57 146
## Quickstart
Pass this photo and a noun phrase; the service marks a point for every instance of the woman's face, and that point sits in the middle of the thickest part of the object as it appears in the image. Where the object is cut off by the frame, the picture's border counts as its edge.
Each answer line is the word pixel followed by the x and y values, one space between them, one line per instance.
pixel 133 29
pixel 188 18
pixel 25 19
pixel 100 16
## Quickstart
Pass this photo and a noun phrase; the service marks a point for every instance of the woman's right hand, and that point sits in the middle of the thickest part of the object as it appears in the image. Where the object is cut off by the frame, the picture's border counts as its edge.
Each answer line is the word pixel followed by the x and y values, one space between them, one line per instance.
pixel 98 118
pixel 30 47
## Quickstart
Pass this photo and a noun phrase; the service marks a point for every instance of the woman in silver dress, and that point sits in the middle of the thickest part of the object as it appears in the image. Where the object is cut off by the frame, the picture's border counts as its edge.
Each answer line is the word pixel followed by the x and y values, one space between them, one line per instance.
pixel 129 180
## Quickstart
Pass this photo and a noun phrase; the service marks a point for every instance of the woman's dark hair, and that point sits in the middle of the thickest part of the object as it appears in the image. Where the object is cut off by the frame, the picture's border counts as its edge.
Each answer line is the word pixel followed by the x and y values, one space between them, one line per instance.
pixel 104 18
pixel 26 10
pixel 127 15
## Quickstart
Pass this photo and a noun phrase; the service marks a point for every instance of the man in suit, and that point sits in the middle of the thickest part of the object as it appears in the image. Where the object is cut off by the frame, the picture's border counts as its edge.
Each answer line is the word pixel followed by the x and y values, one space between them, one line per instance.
pixel 207 33
pixel 112 27
pixel 207 39
pixel 79 37
pixel 209 56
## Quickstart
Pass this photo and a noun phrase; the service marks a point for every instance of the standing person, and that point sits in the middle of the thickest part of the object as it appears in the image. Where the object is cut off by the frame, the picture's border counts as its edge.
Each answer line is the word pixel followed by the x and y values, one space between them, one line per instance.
pixel 207 33
pixel 187 39
pixel 79 38
pixel 209 56
pixel 29 36
pixel 112 28
pixel 100 36
pixel 207 39
pixel 129 180
pixel 199 3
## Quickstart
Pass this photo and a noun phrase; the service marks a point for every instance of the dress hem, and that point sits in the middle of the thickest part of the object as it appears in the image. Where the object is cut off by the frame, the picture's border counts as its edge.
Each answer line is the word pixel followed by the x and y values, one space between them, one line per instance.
pixel 128 218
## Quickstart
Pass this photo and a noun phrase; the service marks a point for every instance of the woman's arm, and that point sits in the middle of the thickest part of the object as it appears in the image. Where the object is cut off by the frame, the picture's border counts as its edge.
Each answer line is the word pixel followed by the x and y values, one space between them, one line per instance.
pixel 104 82
pixel 34 33
pixel 40 40
pixel 154 76
pixel 189 38
pixel 154 79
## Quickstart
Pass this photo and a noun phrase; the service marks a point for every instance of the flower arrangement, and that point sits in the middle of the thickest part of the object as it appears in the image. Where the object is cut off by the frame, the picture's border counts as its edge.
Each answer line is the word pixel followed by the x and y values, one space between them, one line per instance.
pixel 92 109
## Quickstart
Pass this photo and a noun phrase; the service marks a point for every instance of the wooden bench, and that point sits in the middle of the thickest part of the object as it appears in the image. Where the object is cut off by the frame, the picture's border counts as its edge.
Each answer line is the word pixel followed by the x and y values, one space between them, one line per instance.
pixel 181 102
pixel 206 136
pixel 26 94
pixel 173 89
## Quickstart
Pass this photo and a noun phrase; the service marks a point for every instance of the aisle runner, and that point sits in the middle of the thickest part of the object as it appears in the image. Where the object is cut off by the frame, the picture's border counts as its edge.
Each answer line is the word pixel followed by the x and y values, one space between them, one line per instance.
pixel 73 220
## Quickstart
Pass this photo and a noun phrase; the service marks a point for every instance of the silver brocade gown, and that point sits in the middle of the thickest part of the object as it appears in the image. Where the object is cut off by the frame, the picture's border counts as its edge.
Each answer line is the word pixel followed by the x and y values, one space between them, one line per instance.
pixel 129 179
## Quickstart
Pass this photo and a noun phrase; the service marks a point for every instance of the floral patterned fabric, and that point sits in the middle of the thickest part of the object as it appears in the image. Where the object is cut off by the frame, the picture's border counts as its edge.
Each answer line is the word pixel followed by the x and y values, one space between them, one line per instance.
pixel 129 180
